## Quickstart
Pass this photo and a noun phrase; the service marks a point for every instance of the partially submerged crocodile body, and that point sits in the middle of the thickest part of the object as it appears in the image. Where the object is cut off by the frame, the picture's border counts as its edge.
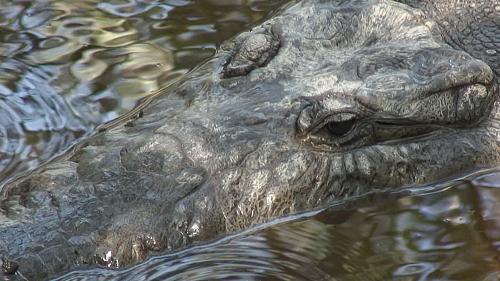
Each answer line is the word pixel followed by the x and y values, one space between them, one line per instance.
pixel 324 101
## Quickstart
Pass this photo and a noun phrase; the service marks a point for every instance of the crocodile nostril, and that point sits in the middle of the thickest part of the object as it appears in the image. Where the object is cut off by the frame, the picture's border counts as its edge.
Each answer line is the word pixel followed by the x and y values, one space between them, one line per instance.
pixel 442 67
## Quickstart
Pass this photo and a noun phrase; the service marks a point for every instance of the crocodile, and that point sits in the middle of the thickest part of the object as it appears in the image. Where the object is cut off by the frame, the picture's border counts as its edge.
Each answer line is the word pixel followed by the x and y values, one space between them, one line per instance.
pixel 323 101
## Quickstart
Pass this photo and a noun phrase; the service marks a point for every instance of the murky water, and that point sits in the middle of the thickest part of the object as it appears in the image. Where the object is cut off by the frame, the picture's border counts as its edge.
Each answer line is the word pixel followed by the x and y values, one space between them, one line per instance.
pixel 68 66
pixel 448 232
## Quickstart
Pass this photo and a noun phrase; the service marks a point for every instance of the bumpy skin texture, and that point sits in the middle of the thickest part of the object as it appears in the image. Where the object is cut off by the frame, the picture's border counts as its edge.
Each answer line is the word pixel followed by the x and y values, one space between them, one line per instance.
pixel 324 101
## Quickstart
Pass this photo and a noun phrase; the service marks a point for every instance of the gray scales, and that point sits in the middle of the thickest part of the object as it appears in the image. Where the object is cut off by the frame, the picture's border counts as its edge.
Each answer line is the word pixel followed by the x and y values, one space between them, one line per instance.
pixel 324 101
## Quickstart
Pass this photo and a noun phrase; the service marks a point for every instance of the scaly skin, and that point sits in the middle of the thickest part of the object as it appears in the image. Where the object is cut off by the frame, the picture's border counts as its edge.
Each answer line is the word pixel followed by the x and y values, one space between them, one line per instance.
pixel 324 101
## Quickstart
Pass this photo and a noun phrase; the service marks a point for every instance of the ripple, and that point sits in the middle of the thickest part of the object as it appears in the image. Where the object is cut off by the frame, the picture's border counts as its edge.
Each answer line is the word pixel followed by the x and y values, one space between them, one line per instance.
pixel 32 126
pixel 154 9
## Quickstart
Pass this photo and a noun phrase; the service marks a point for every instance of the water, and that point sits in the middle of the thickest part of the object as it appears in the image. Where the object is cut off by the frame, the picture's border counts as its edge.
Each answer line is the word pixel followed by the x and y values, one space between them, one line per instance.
pixel 68 66
pixel 447 232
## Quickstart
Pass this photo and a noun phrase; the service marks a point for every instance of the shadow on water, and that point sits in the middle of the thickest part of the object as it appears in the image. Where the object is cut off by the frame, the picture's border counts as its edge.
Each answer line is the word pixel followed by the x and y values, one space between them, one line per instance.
pixel 69 66
pixel 446 232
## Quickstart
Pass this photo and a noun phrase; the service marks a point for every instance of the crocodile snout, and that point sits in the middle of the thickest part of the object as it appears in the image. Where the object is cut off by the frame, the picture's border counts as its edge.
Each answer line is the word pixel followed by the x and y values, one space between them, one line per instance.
pixel 460 92
pixel 433 86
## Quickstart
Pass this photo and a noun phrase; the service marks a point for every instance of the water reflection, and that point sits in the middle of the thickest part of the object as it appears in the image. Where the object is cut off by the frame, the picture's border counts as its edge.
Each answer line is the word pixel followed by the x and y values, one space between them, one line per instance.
pixel 451 234
pixel 68 66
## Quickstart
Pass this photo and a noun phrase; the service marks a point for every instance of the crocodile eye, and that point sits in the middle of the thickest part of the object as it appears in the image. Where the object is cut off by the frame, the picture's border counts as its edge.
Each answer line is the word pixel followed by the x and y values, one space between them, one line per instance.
pixel 332 131
pixel 341 128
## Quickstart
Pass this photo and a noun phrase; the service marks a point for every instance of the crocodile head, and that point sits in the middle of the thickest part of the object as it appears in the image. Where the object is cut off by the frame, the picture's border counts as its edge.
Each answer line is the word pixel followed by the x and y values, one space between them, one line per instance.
pixel 329 100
